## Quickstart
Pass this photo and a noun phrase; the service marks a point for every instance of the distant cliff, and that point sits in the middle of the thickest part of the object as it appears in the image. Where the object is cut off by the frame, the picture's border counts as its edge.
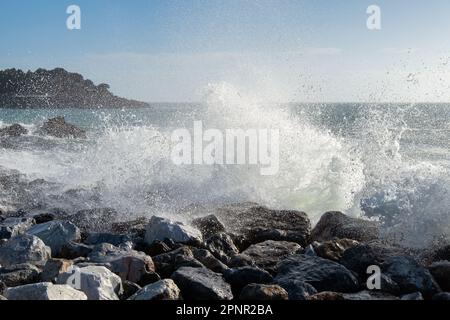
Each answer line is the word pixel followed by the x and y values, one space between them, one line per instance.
pixel 56 88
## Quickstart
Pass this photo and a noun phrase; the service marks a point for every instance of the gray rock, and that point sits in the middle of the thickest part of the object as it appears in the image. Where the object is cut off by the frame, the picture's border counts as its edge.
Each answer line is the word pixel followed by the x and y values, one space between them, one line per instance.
pixel 56 234
pixel 338 225
pixel 267 254
pixel 258 223
pixel 441 272
pixel 162 290
pixel 44 291
pixel 73 250
pixel 322 274
pixel 161 228
pixel 15 130
pixel 296 289
pixel 98 283
pixel 442 296
pixel 222 247
pixel 11 227
pixel 201 284
pixel 241 260
pixel 167 263
pixel 94 220
pixel 240 277
pixel 59 128
pixel 53 268
pixel 208 225
pixel 24 249
pixel 43 217
pixel 208 260
pixel 155 248
pixel 369 295
pixel 96 238
pixel 412 296
pixel 129 289
pixel 334 249
pixel 263 292
pixel 18 275
pixel 326 296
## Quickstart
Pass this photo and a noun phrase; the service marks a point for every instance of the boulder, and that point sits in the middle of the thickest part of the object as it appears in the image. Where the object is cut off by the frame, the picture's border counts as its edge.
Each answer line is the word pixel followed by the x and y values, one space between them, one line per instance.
pixel 208 260
pixel 3 288
pixel 241 260
pixel 441 272
pixel 15 130
pixel 95 238
pixel 59 128
pixel 326 296
pixel 442 296
pixel 337 225
pixel 56 234
pixel 11 227
pixel 43 217
pixel 369 295
pixel 53 268
pixel 240 277
pixel 18 275
pixel 258 223
pixel 161 228
pixel 333 249
pixel 415 296
pixel 322 274
pixel 94 220
pixel 98 283
pixel 201 284
pixel 129 289
pixel 44 291
pixel 162 290
pixel 24 249
pixel 167 263
pixel 73 250
pixel 267 254
pixel 262 292
pixel 208 225
pixel 136 226
pixel 222 247
pixel 296 289
pixel 155 248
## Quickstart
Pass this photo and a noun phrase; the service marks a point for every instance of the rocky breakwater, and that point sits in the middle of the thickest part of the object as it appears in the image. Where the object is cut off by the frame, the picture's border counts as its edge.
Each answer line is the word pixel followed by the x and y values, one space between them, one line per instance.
pixel 268 255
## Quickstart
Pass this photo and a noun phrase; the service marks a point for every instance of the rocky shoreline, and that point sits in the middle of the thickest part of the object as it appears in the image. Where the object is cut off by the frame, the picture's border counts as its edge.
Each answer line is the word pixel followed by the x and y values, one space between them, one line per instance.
pixel 237 252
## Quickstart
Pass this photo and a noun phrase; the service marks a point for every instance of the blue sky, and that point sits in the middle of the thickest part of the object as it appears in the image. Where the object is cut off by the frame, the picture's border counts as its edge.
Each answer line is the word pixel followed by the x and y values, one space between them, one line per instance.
pixel 281 50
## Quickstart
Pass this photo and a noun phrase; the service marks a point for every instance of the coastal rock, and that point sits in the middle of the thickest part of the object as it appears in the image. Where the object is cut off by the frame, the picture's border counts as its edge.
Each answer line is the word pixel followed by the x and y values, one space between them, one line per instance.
pixel 133 226
pixel 240 277
pixel 53 268
pixel 296 289
pixel 162 290
pixel 258 223
pixel 241 260
pixel 95 238
pixel 14 130
pixel 201 284
pixel 334 249
pixel 442 296
pixel 161 228
pixel 337 225
pixel 73 250
pixel 322 274
pixel 2 288
pixel 369 295
pixel 129 264
pixel 24 249
pixel 326 296
pixel 267 254
pixel 94 220
pixel 98 283
pixel 415 296
pixel 43 217
pixel 221 246
pixel 44 291
pixel 56 234
pixel 208 225
pixel 59 128
pixel 208 260
pixel 129 289
pixel 11 227
pixel 167 263
pixel 263 292
pixel 441 272
pixel 410 276
pixel 18 275
pixel 155 248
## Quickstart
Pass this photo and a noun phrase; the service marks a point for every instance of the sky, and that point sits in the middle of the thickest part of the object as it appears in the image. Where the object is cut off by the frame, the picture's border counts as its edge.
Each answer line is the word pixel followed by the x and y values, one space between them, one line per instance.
pixel 276 50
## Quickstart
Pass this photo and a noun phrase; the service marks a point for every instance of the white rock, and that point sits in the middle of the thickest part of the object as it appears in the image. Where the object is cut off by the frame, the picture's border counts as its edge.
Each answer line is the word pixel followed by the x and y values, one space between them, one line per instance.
pixel 24 249
pixel 44 291
pixel 97 282
pixel 162 290
pixel 161 228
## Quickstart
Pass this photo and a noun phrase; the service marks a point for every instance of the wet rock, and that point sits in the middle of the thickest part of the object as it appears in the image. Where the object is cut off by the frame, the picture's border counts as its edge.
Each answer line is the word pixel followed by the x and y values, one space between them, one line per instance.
pixel 326 296
pixel 410 276
pixel 240 277
pixel 99 238
pixel 201 284
pixel 11 227
pixel 167 263
pixel 369 295
pixel 3 288
pixel 296 289
pixel 18 275
pixel 98 283
pixel 309 250
pixel 44 291
pixel 129 227
pixel 161 228
pixel 15 130
pixel 442 296
pixel 56 234
pixel 129 289
pixel 338 225
pixel 24 249
pixel 94 220
pixel 53 268
pixel 334 249
pixel 129 264
pixel 240 260
pixel 208 260
pixel 155 248
pixel 322 274
pixel 412 296
pixel 162 290
pixel 263 292
pixel 208 226
pixel 221 246
pixel 73 250
pixel 441 273
pixel 267 254
pixel 258 223
pixel 59 128
pixel 43 217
